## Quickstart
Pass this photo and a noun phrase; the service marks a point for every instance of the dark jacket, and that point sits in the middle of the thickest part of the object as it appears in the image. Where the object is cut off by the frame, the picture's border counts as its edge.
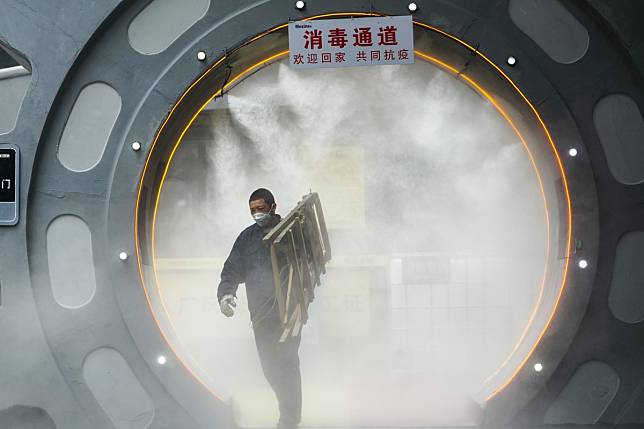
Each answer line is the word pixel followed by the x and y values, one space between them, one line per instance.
pixel 250 262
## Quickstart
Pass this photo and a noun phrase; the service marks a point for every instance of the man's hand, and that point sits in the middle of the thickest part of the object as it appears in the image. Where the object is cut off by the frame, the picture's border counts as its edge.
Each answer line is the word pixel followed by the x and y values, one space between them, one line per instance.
pixel 228 305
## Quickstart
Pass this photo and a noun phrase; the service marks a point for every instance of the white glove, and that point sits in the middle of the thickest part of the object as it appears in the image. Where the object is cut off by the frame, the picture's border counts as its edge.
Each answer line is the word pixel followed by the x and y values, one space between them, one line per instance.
pixel 228 305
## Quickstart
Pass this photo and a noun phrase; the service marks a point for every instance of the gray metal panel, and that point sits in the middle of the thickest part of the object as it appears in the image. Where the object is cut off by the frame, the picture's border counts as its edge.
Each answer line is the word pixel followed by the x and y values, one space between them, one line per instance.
pixel 620 127
pixel 13 89
pixel 50 35
pixel 552 27
pixel 117 389
pixel 586 396
pixel 71 262
pixel 633 410
pixel 626 299
pixel 53 35
pixel 162 22
pixel 25 417
pixel 89 126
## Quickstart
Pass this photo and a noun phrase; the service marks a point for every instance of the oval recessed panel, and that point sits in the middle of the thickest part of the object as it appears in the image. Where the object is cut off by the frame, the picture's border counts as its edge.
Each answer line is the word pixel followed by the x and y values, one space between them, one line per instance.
pixel 26 417
pixel 620 127
pixel 14 82
pixel 626 299
pixel 71 265
pixel 89 127
pixel 162 22
pixel 117 389
pixel 586 396
pixel 552 27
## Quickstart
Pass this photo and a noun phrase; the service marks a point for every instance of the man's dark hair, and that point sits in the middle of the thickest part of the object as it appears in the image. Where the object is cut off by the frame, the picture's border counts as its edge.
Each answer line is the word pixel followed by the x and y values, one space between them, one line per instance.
pixel 263 193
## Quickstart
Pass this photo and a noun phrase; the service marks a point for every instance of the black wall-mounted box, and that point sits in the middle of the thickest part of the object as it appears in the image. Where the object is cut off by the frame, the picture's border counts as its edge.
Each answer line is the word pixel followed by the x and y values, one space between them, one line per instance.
pixel 9 184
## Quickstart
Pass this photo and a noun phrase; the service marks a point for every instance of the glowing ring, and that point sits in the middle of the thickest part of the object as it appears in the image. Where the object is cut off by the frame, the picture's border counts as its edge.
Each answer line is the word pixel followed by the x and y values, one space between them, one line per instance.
pixel 443 65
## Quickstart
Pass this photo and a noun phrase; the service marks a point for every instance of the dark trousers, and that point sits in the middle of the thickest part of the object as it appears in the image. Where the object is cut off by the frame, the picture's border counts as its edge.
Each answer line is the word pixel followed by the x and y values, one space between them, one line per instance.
pixel 281 366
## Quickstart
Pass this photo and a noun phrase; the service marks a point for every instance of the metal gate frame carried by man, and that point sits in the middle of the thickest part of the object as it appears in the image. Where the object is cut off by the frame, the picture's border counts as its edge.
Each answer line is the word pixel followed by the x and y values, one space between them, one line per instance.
pixel 301 236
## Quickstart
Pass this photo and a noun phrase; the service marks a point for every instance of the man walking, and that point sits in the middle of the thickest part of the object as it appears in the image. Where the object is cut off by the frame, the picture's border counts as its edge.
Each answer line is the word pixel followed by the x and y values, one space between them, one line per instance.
pixel 249 262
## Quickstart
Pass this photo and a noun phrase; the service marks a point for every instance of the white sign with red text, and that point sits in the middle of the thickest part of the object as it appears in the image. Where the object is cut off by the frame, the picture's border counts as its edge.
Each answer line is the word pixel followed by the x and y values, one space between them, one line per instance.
pixel 351 42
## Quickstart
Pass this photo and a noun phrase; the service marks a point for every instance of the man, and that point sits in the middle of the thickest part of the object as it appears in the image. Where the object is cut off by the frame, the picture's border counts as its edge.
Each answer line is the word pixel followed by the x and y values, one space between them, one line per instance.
pixel 249 262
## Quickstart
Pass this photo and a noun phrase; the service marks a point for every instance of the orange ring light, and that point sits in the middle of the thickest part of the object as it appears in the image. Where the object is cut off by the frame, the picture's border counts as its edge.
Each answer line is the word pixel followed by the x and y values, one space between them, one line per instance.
pixel 426 57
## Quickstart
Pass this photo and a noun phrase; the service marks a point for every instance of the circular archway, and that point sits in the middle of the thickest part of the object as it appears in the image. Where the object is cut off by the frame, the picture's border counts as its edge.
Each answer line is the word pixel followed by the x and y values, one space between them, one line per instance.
pixel 451 286
pixel 106 324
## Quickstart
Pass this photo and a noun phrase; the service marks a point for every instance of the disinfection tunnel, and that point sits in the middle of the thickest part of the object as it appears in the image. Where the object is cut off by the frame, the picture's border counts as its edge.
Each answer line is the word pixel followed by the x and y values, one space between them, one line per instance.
pixel 484 206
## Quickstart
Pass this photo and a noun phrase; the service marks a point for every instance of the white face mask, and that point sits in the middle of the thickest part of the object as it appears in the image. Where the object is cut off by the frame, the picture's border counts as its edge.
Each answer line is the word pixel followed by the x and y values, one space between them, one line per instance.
pixel 262 218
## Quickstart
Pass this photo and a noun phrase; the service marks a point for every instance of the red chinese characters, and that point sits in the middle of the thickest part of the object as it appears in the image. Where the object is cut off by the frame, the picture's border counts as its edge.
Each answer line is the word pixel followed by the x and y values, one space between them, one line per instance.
pixel 362 36
pixel 387 36
pixel 338 37
pixel 313 39
pixel 353 42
